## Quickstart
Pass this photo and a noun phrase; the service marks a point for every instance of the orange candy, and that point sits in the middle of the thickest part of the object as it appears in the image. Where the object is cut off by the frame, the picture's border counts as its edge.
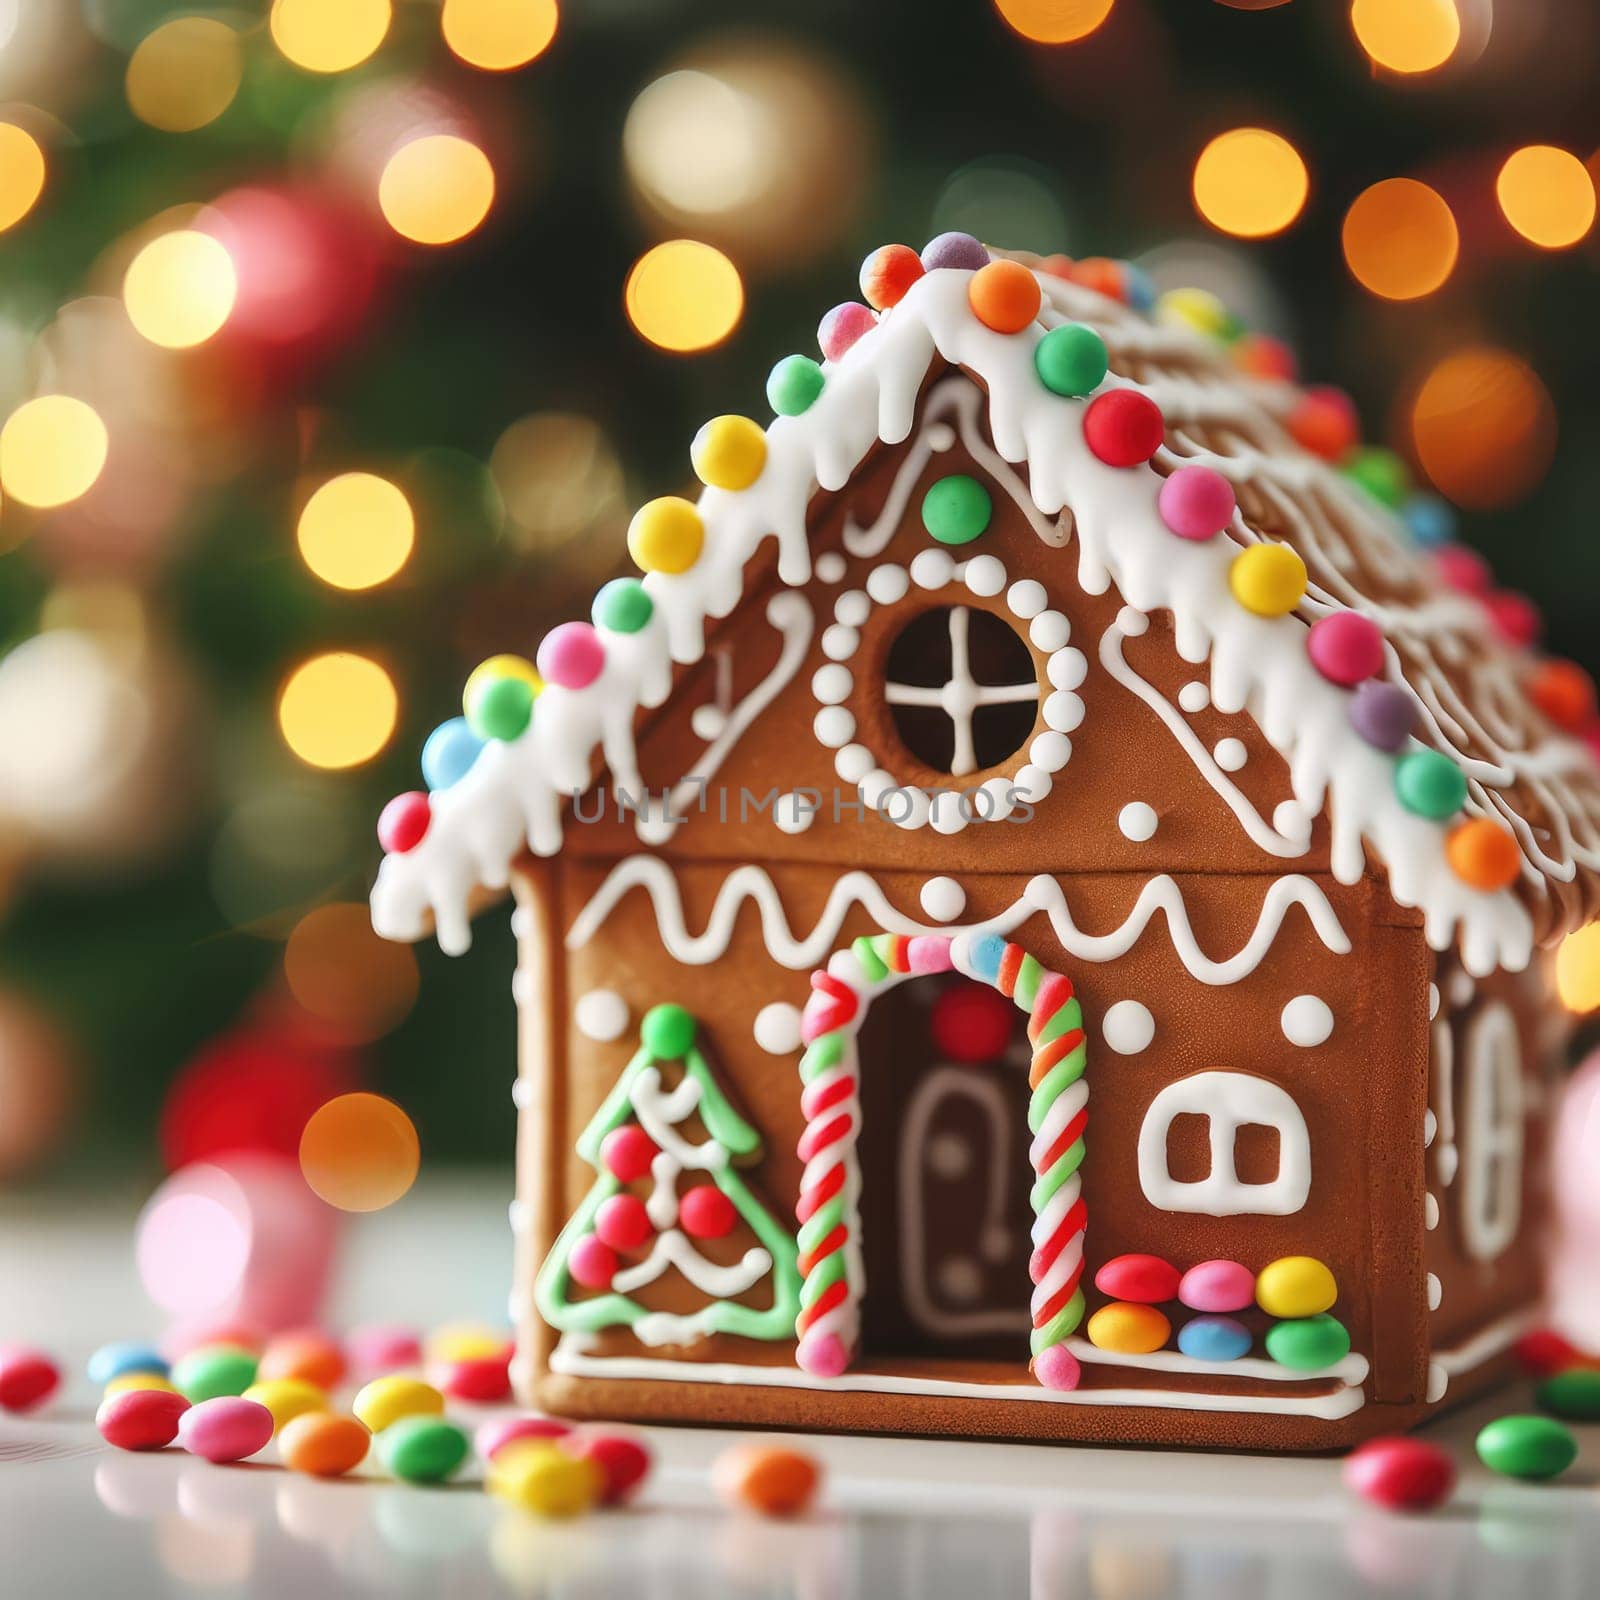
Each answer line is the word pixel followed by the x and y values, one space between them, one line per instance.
pixel 1004 296
pixel 323 1445
pixel 1484 854
pixel 311 1357
pixel 763 1478
pixel 1324 422
pixel 1101 274
pixel 1565 693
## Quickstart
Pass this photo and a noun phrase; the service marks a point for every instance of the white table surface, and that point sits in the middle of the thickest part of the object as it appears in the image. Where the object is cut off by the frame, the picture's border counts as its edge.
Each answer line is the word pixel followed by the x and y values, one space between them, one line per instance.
pixel 912 1517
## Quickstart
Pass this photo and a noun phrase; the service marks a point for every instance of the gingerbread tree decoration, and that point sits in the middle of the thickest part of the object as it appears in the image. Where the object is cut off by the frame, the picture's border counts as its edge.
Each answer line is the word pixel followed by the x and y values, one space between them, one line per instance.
pixel 619 1241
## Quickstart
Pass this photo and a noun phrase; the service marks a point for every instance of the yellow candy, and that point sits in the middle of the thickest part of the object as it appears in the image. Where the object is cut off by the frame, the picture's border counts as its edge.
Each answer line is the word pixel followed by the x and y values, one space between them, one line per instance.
pixel 1295 1286
pixel 539 1477
pixel 287 1398
pixel 465 1341
pixel 130 1382
pixel 1198 309
pixel 1268 579
pixel 506 666
pixel 1128 1329
pixel 665 535
pixel 386 1400
pixel 729 453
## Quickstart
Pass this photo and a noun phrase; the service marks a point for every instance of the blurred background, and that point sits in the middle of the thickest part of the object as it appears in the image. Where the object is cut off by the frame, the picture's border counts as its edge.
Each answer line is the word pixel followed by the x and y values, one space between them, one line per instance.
pixel 339 338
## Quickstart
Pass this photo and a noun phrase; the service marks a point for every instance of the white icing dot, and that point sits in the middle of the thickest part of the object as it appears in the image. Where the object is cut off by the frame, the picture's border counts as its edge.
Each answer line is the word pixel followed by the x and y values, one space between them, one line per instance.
pixel 1137 821
pixel 932 569
pixel 1063 711
pixel 1230 754
pixel 1438 1382
pixel 853 763
pixel 830 566
pixel 943 899
pixel 1433 1001
pixel 1066 669
pixel 839 643
pixel 794 812
pixel 601 1014
pixel 832 683
pixel 1290 819
pixel 887 584
pixel 1430 1212
pixel 1049 630
pixel 708 721
pixel 1132 621
pixel 777 1028
pixel 940 436
pixel 1027 598
pixel 1194 696
pixel 1307 1020
pixel 1430 1128
pixel 1435 1292
pixel 949 1156
pixel 521 923
pixel 852 608
pixel 1052 751
pixel 960 1279
pixel 522 987
pixel 522 1094
pixel 1032 784
pixel 985 575
pixel 834 726
pixel 1462 988
pixel 1127 1027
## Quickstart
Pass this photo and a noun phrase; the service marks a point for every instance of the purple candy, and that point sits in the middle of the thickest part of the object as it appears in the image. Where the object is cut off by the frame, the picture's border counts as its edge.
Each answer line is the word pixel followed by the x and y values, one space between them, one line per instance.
pixel 954 250
pixel 1383 714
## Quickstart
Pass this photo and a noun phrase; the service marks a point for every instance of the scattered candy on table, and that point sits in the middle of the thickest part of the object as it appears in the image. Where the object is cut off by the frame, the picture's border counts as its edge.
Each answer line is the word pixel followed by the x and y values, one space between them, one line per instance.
pixel 288 1398
pixel 767 1479
pixel 124 1356
pixel 311 1357
pixel 540 1477
pixel 494 1435
pixel 466 1341
pixel 1146 1279
pixel 421 1449
pixel 142 1419
pixel 214 1370
pixel 1295 1286
pixel 385 1401
pixel 1574 1394
pixel 128 1382
pixel 1128 1329
pixel 228 1428
pixel 322 1444
pixel 28 1377
pixel 1526 1447
pixel 624 1461
pixel 376 1349
pixel 1401 1473
pixel 479 1378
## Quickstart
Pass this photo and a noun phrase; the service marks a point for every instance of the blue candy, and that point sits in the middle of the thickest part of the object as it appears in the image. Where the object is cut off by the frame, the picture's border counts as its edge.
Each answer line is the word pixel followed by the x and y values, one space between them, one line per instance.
pixel 984 956
pixel 1214 1339
pixel 1138 286
pixel 113 1360
pixel 1432 521
pixel 448 755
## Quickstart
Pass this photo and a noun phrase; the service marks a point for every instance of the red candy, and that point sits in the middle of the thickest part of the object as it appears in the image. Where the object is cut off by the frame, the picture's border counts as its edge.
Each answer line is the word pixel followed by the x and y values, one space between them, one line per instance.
pixel 1543 1353
pixel 141 1419
pixel 841 327
pixel 1462 569
pixel 1346 648
pixel 496 1435
pixel 1564 692
pixel 622 1222
pixel 1145 1280
pixel 403 823
pixel 887 273
pixel 624 1462
pixel 1402 1474
pixel 1515 617
pixel 1123 427
pixel 627 1152
pixel 706 1212
pixel 481 1378
pixel 1259 355
pixel 27 1378
pixel 972 1022
pixel 592 1263
pixel 1324 421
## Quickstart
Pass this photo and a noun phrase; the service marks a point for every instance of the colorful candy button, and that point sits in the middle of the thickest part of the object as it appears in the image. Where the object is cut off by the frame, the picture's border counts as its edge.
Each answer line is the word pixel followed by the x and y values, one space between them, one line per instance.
pixel 1324 421
pixel 1573 1394
pixel 1268 579
pixel 1384 715
pixel 228 1428
pixel 841 327
pixel 1430 784
pixel 308 1356
pixel 1123 427
pixel 729 452
pixel 403 823
pixel 214 1370
pixel 1196 503
pixel 497 1433
pixel 288 1398
pixel 1430 520
pixel 766 1479
pixel 794 385
pixel 142 1419
pixel 1460 567
pixel 1198 310
pixel 28 1378
pixel 1483 853
pixel 1565 693
pixel 622 606
pixel 1308 1344
pixel 422 1449
pixel 1400 1473
pixel 1346 648
pixel 1295 1286
pixel 1213 1338
pixel 1128 1329
pixel 498 701
pixel 665 535
pixel 448 753
pixel 324 1445
pixel 112 1360
pixel 385 1401
pixel 1146 1279
pixel 571 655
pixel 1380 472
pixel 539 1477
pixel 1071 360
pixel 623 1460
pixel 888 273
pixel 956 509
pixel 1218 1286
pixel 1526 1447
pixel 129 1382
pixel 958 250
pixel 1004 296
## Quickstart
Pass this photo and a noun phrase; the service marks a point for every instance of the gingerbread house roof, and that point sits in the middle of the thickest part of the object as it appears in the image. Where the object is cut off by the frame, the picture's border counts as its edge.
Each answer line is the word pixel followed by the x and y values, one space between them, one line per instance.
pixel 1483 813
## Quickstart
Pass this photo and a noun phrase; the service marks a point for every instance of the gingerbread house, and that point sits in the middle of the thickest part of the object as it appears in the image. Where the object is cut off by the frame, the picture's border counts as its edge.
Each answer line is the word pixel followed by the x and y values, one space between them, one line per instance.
pixel 1030 911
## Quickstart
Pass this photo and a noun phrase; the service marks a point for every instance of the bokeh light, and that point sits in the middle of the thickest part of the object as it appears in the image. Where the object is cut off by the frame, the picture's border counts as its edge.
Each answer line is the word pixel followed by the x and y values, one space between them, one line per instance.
pixel 22 174
pixel 180 288
pixel 1400 239
pixel 345 976
pixel 1250 182
pixel 557 475
pixel 185 74
pixel 328 35
pixel 498 35
pixel 1483 426
pixel 356 530
pixel 1006 199
pixel 1407 35
pixel 1547 195
pixel 51 451
pixel 1054 21
pixel 338 709
pixel 684 296
pixel 1578 969
pixel 436 189
pixel 360 1152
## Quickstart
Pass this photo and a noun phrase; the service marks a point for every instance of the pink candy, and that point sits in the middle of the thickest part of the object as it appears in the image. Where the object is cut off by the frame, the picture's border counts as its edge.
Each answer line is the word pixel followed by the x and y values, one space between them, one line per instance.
pixel 142 1419
pixel 928 953
pixel 571 655
pixel 1218 1286
pixel 1057 1368
pixel 1196 503
pixel 841 327
pixel 377 1349
pixel 1515 617
pixel 1402 1474
pixel 1462 569
pixel 228 1428
pixel 494 1436
pixel 1146 1280
pixel 1346 648
pixel 593 1262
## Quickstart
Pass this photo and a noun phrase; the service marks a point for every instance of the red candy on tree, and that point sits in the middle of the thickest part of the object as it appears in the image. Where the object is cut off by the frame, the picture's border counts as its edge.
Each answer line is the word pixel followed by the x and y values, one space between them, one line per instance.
pixel 626 1153
pixel 1346 648
pixel 705 1212
pixel 27 1378
pixel 622 1222
pixel 1515 617
pixel 1146 1280
pixel 1324 421
pixel 624 1461
pixel 1400 1473
pixel 887 273
pixel 1123 427
pixel 972 1022
pixel 592 1263
pixel 403 823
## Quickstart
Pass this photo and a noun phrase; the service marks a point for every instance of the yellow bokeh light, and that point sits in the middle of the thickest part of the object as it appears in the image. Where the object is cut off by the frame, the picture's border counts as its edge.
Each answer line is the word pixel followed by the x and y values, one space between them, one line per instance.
pixel 329 35
pixel 356 530
pixel 498 35
pixel 51 451
pixel 337 709
pixel 185 74
pixel 1547 195
pixel 1407 35
pixel 21 174
pixel 1578 969
pixel 346 976
pixel 684 295
pixel 436 189
pixel 1054 21
pixel 1250 182
pixel 180 289
pixel 1400 239
pixel 359 1152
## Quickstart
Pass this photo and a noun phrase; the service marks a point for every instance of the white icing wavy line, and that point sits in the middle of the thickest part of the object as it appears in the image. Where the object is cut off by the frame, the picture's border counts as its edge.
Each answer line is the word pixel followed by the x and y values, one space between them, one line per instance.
pixel 1352 1368
pixel 673 1249
pixel 1160 894
pixel 660 1113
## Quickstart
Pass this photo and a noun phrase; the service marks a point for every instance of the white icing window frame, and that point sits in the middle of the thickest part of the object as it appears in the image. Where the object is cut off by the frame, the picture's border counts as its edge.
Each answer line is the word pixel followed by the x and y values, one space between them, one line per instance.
pixel 1494 1107
pixel 1229 1101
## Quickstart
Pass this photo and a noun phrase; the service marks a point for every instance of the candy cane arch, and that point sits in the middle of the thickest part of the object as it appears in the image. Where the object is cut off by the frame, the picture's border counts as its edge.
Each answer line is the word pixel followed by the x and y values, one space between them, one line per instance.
pixel 833 1280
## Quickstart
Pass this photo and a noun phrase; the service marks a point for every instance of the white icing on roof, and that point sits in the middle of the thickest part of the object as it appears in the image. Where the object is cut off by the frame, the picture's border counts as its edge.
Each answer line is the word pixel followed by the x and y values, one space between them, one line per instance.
pixel 513 795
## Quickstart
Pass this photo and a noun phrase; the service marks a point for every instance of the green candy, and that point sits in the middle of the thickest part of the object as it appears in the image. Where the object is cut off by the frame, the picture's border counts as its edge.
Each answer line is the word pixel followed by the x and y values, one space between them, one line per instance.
pixel 1070 360
pixel 667 1032
pixel 793 385
pixel 1574 1394
pixel 1308 1344
pixel 1526 1447
pixel 213 1370
pixel 1380 472
pixel 956 509
pixel 622 606
pixel 1430 784
pixel 422 1449
pixel 501 708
